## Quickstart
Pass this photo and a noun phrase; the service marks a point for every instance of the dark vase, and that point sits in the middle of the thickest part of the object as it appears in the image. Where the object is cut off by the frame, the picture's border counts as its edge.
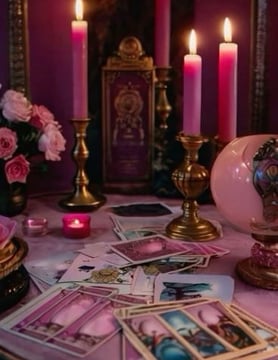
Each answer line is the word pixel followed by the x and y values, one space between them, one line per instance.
pixel 13 199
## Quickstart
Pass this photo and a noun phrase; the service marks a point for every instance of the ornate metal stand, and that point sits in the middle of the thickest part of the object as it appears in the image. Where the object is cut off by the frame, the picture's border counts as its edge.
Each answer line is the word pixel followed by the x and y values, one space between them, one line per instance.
pixel 261 268
pixel 191 179
pixel 82 199
pixel 163 106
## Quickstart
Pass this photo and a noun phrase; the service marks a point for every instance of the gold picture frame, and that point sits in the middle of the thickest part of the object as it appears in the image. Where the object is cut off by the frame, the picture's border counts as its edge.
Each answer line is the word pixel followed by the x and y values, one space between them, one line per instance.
pixel 18 46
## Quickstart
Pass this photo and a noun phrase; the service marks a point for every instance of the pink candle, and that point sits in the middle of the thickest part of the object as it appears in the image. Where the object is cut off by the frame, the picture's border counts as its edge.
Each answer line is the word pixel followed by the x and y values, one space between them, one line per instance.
pixel 192 73
pixel 76 225
pixel 162 32
pixel 80 63
pixel 227 120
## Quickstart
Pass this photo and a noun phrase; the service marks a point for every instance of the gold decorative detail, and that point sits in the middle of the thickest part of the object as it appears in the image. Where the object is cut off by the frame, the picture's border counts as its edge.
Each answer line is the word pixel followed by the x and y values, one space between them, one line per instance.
pixel 191 179
pixel 13 263
pixel 18 46
pixel 107 275
pixel 128 105
pixel 130 54
pixel 82 198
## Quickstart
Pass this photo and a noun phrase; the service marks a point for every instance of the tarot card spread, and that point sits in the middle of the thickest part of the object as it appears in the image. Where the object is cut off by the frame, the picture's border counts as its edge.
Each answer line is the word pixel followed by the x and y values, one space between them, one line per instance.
pixel 203 330
pixel 73 319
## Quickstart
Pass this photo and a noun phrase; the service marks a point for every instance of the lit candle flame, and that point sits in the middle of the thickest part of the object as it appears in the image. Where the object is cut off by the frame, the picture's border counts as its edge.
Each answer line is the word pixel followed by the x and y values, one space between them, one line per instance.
pixel 76 221
pixel 193 43
pixel 227 30
pixel 79 10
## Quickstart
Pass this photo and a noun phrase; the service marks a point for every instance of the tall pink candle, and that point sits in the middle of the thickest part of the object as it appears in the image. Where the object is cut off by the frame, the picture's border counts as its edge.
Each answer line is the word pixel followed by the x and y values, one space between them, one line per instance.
pixel 80 63
pixel 227 86
pixel 162 32
pixel 192 74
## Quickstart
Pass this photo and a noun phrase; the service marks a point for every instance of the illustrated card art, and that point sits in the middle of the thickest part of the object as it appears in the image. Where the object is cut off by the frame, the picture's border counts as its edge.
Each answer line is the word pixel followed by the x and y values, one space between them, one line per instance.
pixel 149 248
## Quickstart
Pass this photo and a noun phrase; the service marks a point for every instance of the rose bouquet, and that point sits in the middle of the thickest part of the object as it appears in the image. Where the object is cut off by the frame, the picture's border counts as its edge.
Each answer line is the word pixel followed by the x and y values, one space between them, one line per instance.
pixel 25 130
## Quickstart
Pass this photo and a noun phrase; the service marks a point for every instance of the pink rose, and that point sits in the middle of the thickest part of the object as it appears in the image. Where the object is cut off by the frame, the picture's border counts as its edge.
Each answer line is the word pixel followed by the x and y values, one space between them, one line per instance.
pixel 15 106
pixel 17 169
pixel 52 142
pixel 41 117
pixel 8 143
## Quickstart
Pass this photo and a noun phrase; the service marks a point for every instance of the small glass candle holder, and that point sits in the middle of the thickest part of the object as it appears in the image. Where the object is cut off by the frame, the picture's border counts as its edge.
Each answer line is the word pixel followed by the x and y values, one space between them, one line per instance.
pixel 35 226
pixel 76 226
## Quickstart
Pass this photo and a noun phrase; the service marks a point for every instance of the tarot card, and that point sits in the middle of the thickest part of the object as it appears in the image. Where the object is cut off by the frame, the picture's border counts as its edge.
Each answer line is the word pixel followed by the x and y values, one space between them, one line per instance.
pixel 115 259
pixel 149 248
pixel 87 333
pixel 50 269
pixel 134 234
pixel 141 209
pixel 194 335
pixel 63 306
pixel 221 321
pixel 96 271
pixel 156 224
pixel 143 284
pixel 183 286
pixel 41 285
pixel 153 339
pixel 218 250
pixel 95 250
pixel 173 264
pixel 127 299
pixel 128 350
pixel 262 329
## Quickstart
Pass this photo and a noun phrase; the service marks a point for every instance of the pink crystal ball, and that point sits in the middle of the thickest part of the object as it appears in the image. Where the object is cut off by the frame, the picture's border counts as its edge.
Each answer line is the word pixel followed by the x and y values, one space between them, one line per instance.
pixel 233 189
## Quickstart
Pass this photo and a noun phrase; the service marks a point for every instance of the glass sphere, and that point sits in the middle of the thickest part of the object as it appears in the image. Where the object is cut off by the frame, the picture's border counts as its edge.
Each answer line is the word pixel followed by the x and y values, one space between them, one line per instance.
pixel 244 183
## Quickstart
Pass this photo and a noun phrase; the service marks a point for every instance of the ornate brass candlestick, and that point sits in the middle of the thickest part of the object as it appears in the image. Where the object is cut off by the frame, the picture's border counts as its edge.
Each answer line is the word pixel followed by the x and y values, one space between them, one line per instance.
pixel 163 106
pixel 191 179
pixel 82 199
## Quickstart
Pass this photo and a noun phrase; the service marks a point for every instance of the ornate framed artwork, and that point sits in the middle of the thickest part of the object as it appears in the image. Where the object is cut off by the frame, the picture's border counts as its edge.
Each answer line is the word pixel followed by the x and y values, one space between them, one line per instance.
pixel 128 119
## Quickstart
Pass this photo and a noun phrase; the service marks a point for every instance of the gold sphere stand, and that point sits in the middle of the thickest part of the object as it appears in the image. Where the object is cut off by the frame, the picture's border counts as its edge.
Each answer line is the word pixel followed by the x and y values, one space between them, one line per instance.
pixel 82 199
pixel 258 274
pixel 191 179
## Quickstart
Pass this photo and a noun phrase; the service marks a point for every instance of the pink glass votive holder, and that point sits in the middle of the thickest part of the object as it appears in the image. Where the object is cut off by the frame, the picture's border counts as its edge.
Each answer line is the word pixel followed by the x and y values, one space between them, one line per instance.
pixel 35 226
pixel 76 226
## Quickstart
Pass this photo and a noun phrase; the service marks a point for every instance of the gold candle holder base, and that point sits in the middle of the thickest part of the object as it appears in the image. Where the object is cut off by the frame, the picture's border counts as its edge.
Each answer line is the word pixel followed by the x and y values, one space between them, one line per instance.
pixel 163 106
pixel 82 199
pixel 261 269
pixel 191 179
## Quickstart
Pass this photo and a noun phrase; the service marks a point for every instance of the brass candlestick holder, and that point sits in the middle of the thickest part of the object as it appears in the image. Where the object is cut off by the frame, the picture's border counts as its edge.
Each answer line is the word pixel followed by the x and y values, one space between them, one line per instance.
pixel 163 106
pixel 191 179
pixel 82 199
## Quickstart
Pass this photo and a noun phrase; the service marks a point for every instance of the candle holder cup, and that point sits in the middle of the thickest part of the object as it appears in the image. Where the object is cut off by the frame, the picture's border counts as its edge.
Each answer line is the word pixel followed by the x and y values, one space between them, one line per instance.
pixel 82 199
pixel 163 106
pixel 191 179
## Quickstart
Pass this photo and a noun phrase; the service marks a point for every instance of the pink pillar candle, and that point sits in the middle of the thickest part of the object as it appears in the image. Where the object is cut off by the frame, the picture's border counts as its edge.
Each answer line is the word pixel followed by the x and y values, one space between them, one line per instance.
pixel 192 74
pixel 227 81
pixel 162 32
pixel 76 226
pixel 80 64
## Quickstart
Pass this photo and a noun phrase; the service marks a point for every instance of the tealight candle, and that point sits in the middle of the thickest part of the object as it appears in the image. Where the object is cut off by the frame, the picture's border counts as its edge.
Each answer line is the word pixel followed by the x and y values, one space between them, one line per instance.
pixel 35 226
pixel 76 226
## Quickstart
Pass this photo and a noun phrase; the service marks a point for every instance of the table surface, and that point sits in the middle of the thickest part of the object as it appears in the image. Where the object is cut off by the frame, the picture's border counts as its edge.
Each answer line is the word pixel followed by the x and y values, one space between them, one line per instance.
pixel 260 302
